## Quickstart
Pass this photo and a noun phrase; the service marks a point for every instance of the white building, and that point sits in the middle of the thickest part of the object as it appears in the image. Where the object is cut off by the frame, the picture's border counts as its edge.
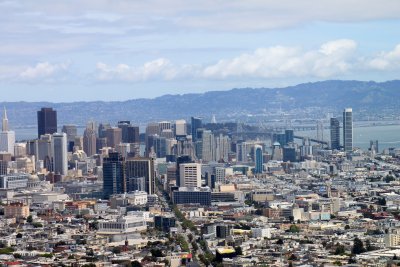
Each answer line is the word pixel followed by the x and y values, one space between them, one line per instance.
pixel 13 181
pixel 180 127
pixel 7 137
pixel 19 150
pixel 220 175
pixel 122 227
pixel 223 147
pixel 7 141
pixel 261 232
pixel 208 146
pixel 190 175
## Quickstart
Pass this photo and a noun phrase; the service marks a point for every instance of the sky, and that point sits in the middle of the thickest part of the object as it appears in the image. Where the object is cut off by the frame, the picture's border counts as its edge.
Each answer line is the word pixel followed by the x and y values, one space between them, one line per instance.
pixel 84 50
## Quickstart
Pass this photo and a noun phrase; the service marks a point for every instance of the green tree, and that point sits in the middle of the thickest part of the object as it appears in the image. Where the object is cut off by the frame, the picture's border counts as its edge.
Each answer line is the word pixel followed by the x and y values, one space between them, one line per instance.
pixel 136 264
pixel 358 246
pixel 389 178
pixel 340 250
pixel 6 250
pixel 238 251
pixel 37 225
pixel 352 260
pixel 190 236
pixel 294 229
pixel 195 246
pixel 29 219
pixel 382 201
pixel 17 255
pixel 156 253
pixel 116 250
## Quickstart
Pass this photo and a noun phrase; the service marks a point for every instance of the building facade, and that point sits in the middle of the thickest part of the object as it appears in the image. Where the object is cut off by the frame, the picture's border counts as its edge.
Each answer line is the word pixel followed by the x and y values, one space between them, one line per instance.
pixel 335 133
pixel 47 121
pixel 348 129
pixel 59 153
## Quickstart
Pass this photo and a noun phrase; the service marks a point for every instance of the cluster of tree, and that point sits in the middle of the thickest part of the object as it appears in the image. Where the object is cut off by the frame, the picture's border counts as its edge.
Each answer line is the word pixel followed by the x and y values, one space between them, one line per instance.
pixel 6 250
pixel 358 246
pixel 182 243
pixel 186 224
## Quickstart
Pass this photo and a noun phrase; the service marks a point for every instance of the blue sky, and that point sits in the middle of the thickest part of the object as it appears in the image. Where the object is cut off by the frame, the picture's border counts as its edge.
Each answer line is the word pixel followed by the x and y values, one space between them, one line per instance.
pixel 74 50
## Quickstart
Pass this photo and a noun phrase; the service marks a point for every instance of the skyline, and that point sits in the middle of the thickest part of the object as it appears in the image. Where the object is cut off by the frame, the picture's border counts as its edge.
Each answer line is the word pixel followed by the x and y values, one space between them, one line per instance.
pixel 65 52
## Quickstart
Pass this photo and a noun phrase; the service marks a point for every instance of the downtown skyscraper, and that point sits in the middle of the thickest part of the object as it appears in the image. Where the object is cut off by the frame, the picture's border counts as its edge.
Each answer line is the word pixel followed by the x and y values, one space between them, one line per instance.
pixel 348 129
pixel 59 153
pixel 7 137
pixel 47 121
pixel 335 133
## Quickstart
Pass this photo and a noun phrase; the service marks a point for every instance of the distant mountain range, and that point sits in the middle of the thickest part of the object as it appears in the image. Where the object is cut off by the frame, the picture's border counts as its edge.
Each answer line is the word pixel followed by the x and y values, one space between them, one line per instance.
pixel 334 95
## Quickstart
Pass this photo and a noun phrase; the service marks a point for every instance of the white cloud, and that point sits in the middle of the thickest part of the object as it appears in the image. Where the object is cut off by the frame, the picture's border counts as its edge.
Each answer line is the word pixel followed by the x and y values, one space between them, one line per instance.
pixel 386 60
pixel 42 70
pixel 334 59
pixel 160 68
pixel 331 59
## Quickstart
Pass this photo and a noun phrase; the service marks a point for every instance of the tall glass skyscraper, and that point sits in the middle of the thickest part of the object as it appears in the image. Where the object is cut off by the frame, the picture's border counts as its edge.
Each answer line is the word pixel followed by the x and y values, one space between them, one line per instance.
pixel 196 123
pixel 348 129
pixel 114 180
pixel 335 133
pixel 258 151
pixel 59 153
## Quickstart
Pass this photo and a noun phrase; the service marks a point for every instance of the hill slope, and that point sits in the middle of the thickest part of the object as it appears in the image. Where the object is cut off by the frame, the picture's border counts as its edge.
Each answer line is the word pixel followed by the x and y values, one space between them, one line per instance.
pixel 334 95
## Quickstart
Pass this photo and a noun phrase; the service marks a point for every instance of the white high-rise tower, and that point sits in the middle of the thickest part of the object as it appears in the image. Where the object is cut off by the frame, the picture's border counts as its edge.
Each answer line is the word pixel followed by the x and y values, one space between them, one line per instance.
pixel 7 137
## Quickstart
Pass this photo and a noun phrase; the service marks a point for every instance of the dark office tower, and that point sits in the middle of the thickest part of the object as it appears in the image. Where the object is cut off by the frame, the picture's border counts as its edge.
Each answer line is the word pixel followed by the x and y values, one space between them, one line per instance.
pixel 280 138
pixel 72 132
pixel 140 168
pixel 103 129
pixel 348 129
pixel 133 134
pixel 335 133
pixel 196 123
pixel 181 160
pixel 31 147
pixel 151 129
pixel 258 159
pixel 47 121
pixel 100 143
pixel 114 181
pixel 289 136
pixel 160 146
pixel 123 125
pixel 114 136
pixel 3 167
pixel 289 154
